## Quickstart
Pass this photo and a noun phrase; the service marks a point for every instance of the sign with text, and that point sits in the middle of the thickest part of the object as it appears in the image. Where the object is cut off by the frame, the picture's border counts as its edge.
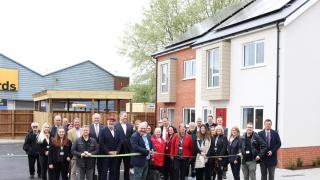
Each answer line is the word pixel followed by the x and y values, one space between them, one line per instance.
pixel 9 79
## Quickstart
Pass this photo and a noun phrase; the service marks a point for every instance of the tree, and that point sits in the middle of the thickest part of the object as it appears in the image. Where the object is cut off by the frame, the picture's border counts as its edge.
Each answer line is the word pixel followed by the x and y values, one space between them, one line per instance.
pixel 162 22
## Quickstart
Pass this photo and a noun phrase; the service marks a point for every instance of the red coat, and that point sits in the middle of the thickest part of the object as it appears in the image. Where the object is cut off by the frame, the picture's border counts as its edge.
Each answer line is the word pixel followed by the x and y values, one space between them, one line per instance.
pixel 158 159
pixel 169 143
pixel 186 146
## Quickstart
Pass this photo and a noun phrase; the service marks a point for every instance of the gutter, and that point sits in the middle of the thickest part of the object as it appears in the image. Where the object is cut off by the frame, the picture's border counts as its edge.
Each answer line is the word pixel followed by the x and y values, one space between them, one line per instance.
pixel 156 98
pixel 278 76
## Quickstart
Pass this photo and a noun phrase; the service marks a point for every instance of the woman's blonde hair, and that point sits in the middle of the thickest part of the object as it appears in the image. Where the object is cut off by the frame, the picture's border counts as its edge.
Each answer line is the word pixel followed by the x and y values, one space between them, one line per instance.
pixel 237 129
pixel 42 136
pixel 217 128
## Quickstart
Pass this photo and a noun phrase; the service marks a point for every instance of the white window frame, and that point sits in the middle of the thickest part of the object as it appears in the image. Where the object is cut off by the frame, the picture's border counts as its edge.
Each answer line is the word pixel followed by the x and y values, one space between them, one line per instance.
pixel 255 54
pixel 166 80
pixel 254 116
pixel 193 69
pixel 191 108
pixel 160 112
pixel 168 116
pixel 209 111
pixel 213 74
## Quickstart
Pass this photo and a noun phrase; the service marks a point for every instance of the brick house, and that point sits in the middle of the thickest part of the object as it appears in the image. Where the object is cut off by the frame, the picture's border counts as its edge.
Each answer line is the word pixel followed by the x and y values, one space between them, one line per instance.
pixel 262 63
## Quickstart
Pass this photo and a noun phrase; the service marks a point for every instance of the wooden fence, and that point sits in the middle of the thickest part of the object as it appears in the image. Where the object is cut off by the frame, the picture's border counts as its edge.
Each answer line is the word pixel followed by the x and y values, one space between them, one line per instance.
pixel 15 123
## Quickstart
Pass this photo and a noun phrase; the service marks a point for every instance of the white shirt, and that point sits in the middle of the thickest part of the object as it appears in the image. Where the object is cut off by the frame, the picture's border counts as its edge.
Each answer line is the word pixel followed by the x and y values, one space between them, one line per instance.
pixel 124 127
pixel 164 133
pixel 78 131
pixel 112 132
pixel 96 127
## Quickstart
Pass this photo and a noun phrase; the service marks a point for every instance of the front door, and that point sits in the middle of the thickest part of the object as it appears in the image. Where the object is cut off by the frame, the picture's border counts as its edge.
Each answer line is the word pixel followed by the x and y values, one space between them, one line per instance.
pixel 222 112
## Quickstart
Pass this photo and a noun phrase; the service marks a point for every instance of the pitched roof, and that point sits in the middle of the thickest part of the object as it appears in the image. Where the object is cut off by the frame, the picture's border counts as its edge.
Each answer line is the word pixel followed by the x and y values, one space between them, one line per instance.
pixel 272 12
pixel 200 29
pixel 63 69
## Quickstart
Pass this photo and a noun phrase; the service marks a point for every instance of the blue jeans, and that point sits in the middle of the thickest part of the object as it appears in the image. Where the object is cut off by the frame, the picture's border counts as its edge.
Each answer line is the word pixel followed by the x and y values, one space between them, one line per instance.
pixel 140 173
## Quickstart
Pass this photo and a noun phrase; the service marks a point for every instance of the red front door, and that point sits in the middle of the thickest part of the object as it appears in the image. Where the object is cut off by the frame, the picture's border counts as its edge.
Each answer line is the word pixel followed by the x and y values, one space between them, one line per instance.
pixel 222 112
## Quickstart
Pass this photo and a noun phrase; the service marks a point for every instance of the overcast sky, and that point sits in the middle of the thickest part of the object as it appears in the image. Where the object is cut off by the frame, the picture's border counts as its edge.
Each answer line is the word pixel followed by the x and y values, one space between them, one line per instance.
pixel 49 35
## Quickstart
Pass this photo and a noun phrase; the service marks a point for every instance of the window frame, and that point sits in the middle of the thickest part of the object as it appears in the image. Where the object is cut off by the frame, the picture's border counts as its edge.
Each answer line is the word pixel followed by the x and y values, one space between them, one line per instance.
pixel 255 54
pixel 254 116
pixel 190 108
pixel 193 69
pixel 168 116
pixel 213 74
pixel 209 111
pixel 160 112
pixel 166 83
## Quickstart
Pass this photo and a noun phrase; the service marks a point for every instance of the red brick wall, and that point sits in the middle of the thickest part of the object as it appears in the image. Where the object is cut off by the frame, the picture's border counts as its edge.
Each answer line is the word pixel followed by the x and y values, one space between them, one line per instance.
pixel 185 88
pixel 307 154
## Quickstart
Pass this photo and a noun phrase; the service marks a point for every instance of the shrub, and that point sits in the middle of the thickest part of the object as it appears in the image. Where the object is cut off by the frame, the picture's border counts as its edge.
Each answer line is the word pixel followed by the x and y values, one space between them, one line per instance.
pixel 292 165
pixel 299 162
pixel 318 161
pixel 314 163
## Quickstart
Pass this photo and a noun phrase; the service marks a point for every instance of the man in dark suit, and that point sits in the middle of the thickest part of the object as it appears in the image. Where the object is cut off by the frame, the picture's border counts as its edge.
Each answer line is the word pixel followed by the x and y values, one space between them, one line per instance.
pixel 210 122
pixel 141 143
pixel 56 124
pixel 125 130
pixel 95 130
pixel 269 161
pixel 110 145
pixel 164 128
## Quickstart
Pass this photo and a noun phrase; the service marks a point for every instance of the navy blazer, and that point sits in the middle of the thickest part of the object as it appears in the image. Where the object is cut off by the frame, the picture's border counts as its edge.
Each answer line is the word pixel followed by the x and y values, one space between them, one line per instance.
pixel 108 142
pixel 234 148
pixel 138 146
pixel 92 132
pixel 275 144
pixel 125 138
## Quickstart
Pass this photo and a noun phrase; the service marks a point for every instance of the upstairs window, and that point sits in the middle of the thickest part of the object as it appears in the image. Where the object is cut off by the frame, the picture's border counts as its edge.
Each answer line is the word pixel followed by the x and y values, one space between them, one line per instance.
pixel 164 78
pixel 253 54
pixel 189 69
pixel 213 68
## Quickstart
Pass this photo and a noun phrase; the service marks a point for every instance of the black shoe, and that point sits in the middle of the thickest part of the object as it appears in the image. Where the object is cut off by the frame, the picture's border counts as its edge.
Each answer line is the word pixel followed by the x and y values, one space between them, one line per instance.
pixel 31 176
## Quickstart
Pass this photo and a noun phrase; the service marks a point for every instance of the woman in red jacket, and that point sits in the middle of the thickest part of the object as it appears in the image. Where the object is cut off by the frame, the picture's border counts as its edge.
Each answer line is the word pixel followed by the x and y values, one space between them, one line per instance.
pixel 181 152
pixel 157 162
pixel 168 163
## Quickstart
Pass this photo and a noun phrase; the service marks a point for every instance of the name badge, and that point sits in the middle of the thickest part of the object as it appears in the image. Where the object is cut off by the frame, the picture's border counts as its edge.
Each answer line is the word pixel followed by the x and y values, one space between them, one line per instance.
pixel 166 147
pixel 61 153
pixel 180 148
pixel 48 147
pixel 215 149
pixel 247 152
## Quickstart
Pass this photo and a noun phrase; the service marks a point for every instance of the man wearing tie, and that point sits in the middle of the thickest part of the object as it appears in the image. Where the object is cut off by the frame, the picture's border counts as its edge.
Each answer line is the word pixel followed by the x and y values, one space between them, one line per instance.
pixel 73 135
pixel 164 128
pixel 110 145
pixel 125 131
pixel 269 161
pixel 95 129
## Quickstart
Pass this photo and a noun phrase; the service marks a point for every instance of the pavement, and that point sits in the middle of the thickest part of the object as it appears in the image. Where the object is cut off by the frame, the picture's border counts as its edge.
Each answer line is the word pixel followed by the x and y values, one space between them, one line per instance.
pixel 16 168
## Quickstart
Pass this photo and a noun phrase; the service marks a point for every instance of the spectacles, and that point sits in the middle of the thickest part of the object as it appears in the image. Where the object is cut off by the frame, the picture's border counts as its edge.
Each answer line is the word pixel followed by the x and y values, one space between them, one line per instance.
pixel 34 126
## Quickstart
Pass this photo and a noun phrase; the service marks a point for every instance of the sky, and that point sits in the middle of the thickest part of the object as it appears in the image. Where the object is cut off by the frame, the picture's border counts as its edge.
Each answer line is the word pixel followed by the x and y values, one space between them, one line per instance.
pixel 49 35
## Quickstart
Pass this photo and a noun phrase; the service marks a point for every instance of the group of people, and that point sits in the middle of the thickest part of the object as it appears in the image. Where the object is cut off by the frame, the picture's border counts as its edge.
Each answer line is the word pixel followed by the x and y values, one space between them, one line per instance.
pixel 202 150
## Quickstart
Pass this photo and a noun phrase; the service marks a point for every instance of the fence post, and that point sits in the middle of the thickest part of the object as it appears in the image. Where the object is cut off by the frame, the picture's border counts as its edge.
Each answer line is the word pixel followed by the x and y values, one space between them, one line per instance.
pixel 12 123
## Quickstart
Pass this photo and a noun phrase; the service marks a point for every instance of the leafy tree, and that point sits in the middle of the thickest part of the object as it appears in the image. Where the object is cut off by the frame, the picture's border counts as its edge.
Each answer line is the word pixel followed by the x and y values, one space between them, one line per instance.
pixel 162 22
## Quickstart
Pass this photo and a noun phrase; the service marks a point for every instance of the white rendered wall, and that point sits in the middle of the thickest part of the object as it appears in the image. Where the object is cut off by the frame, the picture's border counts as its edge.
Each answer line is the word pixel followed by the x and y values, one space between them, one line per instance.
pixel 300 73
pixel 253 86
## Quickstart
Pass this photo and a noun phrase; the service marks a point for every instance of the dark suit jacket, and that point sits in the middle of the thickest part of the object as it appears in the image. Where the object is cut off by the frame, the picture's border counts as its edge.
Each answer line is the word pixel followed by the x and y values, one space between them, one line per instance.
pixel 275 144
pixel 138 146
pixel 125 138
pixel 92 133
pixel 108 142
pixel 219 149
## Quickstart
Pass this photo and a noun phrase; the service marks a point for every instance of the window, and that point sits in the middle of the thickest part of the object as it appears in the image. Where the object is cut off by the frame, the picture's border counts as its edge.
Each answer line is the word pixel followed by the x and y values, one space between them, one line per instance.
pixel 213 68
pixel 170 115
pixel 189 115
pixel 164 78
pixel 162 113
pixel 206 111
pixel 189 69
pixel 253 115
pixel 253 53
